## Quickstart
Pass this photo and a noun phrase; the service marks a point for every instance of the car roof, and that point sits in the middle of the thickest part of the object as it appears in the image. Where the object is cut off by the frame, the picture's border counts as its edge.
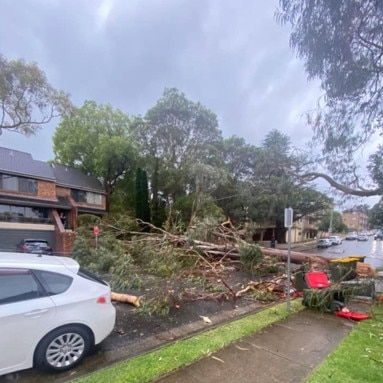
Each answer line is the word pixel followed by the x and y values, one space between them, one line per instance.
pixel 34 261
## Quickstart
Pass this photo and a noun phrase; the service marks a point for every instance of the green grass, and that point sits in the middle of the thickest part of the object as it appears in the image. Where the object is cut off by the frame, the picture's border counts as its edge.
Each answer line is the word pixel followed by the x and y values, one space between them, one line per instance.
pixel 359 358
pixel 147 367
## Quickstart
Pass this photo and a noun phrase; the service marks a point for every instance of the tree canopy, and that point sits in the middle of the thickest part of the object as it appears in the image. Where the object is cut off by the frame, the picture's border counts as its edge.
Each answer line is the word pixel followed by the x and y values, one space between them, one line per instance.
pixel 341 43
pixel 98 140
pixel 27 100
pixel 175 135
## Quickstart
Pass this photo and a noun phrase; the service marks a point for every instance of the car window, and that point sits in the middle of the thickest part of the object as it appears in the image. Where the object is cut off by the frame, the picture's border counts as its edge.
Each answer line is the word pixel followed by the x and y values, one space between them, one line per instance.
pixel 53 283
pixel 92 277
pixel 18 285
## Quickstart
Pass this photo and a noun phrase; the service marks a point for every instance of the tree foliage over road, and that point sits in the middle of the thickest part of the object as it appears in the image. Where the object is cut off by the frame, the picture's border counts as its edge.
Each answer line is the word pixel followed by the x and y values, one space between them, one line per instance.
pixel 341 43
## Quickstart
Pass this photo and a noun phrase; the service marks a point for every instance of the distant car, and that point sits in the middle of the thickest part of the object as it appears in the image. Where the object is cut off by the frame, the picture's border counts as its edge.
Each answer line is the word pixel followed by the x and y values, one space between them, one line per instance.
pixel 335 239
pixel 378 235
pixel 351 236
pixel 34 246
pixel 362 237
pixel 52 312
pixel 323 243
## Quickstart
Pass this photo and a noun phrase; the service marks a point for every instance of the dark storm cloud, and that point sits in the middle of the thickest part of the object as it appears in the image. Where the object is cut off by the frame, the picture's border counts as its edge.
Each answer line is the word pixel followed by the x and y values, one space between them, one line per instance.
pixel 229 55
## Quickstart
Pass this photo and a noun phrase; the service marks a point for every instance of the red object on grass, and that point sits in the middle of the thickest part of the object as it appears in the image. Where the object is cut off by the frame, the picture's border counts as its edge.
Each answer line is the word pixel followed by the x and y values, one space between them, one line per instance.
pixel 354 315
pixel 317 280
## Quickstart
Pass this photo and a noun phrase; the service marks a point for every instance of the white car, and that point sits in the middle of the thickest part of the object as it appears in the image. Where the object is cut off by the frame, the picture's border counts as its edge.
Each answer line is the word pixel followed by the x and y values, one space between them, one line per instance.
pixel 51 312
pixel 362 237
pixel 351 236
pixel 335 239
pixel 323 243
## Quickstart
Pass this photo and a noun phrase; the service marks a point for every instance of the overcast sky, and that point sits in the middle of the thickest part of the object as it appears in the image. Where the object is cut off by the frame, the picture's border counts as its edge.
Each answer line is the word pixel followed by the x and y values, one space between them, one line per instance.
pixel 230 55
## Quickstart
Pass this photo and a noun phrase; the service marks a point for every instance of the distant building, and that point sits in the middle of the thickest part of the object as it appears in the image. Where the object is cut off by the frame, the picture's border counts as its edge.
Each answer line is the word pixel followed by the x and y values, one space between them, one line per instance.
pixel 42 201
pixel 355 219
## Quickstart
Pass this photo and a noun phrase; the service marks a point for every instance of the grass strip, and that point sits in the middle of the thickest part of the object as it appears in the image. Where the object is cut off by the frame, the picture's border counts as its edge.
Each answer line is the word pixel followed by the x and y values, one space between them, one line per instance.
pixel 150 366
pixel 358 358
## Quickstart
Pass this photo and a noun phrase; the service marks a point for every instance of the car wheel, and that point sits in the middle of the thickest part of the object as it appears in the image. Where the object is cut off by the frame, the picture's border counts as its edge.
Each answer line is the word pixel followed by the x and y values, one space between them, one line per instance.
pixel 63 348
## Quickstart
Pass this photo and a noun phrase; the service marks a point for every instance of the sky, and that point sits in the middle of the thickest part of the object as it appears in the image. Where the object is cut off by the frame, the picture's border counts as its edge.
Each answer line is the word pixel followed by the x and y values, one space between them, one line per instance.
pixel 230 55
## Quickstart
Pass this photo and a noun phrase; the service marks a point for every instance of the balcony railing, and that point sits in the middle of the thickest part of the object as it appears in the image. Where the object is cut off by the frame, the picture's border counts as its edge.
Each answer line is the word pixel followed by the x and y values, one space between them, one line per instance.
pixel 6 217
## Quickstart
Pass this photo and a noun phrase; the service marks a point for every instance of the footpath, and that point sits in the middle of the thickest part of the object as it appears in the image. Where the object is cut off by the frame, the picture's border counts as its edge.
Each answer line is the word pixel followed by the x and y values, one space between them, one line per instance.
pixel 287 351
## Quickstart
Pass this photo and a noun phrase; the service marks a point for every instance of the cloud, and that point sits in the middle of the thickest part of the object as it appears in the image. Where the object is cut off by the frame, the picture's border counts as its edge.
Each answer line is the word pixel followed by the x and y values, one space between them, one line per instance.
pixel 230 56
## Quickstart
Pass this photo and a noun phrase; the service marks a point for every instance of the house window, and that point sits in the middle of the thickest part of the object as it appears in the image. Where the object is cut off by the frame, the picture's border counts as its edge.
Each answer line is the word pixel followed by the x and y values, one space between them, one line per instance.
pixel 12 213
pixel 79 195
pixel 18 184
pixel 93 198
pixel 86 197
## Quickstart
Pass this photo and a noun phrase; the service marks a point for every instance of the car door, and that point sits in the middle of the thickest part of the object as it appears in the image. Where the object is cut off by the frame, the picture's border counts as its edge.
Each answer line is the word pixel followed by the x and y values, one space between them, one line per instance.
pixel 25 313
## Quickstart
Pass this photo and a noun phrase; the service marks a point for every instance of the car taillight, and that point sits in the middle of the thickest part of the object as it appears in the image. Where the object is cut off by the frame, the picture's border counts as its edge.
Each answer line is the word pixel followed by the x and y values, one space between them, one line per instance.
pixel 103 299
pixel 24 247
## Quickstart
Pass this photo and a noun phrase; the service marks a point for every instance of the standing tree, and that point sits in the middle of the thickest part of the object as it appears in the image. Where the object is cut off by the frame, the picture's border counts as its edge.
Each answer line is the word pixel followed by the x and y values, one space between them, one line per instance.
pixel 98 140
pixel 142 196
pixel 175 135
pixel 274 187
pixel 332 219
pixel 341 43
pixel 27 100
pixel 233 194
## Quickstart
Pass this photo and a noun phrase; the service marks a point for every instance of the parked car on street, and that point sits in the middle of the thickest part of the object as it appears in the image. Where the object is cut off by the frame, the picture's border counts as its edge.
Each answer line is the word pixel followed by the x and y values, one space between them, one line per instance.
pixel 362 237
pixel 52 312
pixel 351 236
pixel 335 239
pixel 323 243
pixel 34 246
pixel 378 235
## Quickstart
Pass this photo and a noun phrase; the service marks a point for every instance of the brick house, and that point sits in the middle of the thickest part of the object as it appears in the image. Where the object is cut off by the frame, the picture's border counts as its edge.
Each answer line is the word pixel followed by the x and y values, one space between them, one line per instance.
pixel 42 201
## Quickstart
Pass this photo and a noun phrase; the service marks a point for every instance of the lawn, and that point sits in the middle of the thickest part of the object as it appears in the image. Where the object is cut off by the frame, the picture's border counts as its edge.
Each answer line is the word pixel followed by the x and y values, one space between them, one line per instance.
pixel 359 358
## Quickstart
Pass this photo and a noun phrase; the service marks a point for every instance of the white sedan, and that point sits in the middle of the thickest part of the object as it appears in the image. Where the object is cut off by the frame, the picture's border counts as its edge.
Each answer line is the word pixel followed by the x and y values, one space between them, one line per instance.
pixel 362 237
pixel 51 312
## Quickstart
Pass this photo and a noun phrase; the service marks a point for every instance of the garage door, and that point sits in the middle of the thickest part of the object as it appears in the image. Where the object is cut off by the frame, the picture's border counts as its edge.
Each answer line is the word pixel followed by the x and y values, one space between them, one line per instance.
pixel 10 237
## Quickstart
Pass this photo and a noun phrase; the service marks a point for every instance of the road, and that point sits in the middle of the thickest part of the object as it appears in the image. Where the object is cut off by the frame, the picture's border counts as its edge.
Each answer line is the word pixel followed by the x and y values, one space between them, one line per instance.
pixel 371 249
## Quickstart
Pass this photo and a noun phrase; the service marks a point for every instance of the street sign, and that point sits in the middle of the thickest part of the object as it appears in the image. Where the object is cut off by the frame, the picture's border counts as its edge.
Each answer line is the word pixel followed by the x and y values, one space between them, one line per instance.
pixel 96 230
pixel 289 217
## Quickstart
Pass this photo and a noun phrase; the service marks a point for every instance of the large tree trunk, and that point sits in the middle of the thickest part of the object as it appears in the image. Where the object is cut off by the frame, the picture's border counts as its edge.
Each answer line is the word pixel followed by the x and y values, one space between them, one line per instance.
pixel 295 256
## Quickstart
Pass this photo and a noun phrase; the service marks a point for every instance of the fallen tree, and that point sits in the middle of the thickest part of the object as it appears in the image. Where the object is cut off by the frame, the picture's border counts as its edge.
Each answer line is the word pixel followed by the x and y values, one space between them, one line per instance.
pixel 208 265
pixel 297 257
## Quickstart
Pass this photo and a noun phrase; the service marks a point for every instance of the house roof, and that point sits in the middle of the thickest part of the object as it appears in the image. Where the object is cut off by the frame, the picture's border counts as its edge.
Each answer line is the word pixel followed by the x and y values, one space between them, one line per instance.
pixel 74 178
pixel 21 163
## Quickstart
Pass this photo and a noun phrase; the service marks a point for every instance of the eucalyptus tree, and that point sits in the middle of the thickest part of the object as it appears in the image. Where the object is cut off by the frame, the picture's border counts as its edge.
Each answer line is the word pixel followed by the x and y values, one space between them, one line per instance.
pixel 275 188
pixel 27 100
pixel 341 43
pixel 234 195
pixel 98 140
pixel 175 135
